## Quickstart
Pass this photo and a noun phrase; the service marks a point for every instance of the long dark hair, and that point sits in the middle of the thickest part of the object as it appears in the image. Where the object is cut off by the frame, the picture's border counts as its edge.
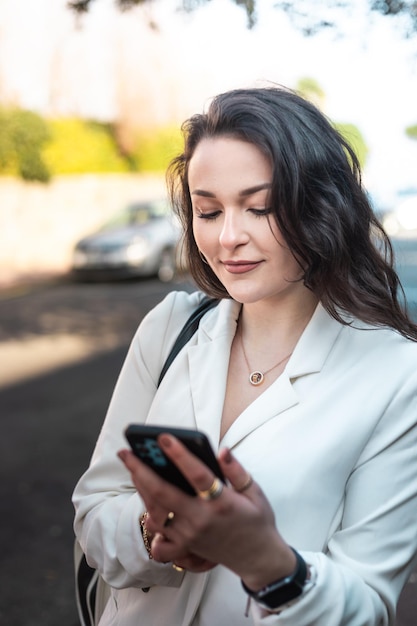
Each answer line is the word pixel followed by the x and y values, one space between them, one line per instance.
pixel 318 202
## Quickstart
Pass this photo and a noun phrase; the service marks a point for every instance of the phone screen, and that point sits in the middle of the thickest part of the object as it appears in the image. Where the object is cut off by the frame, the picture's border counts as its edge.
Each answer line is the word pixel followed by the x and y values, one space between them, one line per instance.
pixel 143 440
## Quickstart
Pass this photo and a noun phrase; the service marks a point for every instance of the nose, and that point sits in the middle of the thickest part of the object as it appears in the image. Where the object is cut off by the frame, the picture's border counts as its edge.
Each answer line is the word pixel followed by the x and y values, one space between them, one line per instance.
pixel 233 232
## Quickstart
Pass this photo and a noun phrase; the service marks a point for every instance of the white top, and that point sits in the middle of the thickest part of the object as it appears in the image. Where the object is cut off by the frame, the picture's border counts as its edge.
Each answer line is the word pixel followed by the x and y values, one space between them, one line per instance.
pixel 332 442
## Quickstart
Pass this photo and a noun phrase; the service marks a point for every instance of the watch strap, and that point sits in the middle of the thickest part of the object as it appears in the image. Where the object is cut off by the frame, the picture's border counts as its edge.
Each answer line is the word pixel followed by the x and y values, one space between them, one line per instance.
pixel 282 591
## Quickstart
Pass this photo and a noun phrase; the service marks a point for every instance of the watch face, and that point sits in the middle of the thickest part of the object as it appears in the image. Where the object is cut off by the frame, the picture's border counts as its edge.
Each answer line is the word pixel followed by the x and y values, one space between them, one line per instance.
pixel 284 590
pixel 275 597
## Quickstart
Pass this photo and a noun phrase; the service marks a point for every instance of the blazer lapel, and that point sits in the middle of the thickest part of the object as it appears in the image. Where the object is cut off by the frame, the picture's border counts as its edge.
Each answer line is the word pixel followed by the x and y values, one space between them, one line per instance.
pixel 279 397
pixel 209 362
pixel 314 345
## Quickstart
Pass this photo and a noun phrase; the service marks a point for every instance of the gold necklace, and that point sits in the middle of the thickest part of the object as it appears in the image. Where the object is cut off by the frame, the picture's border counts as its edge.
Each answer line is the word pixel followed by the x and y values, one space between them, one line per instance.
pixel 256 377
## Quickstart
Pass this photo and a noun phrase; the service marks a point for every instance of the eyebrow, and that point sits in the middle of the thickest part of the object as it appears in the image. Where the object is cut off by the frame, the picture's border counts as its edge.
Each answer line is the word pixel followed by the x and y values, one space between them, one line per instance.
pixel 245 192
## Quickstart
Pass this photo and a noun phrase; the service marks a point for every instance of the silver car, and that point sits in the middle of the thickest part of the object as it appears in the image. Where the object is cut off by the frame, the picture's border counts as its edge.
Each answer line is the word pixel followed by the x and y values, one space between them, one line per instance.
pixel 141 240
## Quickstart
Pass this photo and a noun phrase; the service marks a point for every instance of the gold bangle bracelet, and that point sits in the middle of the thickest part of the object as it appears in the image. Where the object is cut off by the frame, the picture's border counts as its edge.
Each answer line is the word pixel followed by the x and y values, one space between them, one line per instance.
pixel 145 536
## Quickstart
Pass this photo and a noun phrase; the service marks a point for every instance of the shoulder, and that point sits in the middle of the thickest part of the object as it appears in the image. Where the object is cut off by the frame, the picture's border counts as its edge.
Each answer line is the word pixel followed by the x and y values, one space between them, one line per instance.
pixel 171 313
pixel 380 338
pixel 160 328
pixel 380 353
pixel 354 346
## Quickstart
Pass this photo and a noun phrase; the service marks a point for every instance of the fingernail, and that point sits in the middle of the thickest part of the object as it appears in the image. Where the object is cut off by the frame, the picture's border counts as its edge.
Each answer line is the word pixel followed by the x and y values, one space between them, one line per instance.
pixel 228 458
pixel 165 440
pixel 122 455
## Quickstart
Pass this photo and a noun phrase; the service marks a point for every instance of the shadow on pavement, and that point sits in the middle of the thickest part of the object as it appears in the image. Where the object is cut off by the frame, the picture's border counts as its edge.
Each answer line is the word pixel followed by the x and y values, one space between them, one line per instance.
pixel 50 424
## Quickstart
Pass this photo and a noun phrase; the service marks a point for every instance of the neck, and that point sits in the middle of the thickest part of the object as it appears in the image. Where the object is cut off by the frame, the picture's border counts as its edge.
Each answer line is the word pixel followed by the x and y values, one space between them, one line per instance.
pixel 263 323
pixel 267 342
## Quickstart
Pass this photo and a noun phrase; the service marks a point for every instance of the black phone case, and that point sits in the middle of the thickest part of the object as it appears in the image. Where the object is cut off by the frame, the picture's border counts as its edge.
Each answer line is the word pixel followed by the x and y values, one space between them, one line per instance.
pixel 143 441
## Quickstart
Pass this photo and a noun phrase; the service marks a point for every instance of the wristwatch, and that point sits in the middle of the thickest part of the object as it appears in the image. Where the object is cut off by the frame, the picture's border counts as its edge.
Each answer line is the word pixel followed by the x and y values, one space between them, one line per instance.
pixel 284 590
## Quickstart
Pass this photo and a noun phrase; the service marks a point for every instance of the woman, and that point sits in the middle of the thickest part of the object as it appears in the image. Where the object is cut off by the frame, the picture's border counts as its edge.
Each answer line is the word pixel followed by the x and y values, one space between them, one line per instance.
pixel 304 377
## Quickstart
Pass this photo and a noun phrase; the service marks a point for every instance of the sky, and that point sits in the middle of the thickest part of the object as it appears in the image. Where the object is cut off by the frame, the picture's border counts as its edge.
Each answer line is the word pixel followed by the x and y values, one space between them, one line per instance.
pixel 51 63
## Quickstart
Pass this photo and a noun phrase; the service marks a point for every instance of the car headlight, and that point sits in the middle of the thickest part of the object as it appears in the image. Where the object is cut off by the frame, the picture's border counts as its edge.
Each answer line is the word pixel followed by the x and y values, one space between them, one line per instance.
pixel 137 252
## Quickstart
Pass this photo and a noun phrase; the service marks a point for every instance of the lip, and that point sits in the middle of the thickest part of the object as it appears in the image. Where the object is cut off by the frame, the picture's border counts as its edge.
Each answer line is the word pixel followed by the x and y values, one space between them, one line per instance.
pixel 240 267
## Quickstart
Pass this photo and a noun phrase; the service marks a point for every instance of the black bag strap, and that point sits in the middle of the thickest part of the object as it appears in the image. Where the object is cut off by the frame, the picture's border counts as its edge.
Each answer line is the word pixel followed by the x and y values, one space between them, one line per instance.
pixel 86 582
pixel 187 332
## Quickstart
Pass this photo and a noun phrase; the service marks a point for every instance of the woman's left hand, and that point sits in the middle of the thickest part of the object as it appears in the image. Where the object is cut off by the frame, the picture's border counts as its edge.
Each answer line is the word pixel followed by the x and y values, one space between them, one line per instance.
pixel 236 529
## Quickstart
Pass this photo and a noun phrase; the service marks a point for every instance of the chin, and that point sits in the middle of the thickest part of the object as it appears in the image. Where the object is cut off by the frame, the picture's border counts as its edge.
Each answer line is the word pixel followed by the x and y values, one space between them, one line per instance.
pixel 244 297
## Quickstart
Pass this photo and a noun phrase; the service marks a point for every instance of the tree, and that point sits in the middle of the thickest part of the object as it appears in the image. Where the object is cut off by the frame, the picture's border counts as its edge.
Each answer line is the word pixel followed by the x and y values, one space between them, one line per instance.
pixel 22 137
pixel 298 10
pixel 411 131
pixel 311 90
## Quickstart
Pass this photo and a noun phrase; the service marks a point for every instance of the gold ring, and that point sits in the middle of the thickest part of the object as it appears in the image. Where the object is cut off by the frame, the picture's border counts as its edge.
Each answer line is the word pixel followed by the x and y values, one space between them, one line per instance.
pixel 248 482
pixel 213 491
pixel 169 519
pixel 177 568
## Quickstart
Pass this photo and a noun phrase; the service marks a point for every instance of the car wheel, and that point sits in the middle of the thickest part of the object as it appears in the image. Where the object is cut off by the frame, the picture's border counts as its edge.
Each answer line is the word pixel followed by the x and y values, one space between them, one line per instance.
pixel 167 266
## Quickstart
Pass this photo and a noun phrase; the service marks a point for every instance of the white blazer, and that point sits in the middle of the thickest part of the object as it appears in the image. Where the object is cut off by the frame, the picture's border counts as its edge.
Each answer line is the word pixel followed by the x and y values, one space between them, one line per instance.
pixel 332 442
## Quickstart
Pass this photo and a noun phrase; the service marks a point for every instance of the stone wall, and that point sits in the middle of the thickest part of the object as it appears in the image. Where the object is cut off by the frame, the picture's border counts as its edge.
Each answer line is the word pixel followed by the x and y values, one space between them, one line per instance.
pixel 39 224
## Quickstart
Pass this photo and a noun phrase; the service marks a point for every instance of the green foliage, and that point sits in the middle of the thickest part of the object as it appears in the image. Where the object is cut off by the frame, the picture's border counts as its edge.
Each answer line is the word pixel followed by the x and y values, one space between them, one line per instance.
pixel 22 136
pixel 35 149
pixel 355 139
pixel 155 148
pixel 78 147
pixel 7 149
pixel 411 131
pixel 310 89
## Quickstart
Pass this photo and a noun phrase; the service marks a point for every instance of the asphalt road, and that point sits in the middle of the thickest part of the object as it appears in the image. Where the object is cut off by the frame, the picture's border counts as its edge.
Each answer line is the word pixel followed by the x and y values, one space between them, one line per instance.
pixel 50 423
pixel 67 343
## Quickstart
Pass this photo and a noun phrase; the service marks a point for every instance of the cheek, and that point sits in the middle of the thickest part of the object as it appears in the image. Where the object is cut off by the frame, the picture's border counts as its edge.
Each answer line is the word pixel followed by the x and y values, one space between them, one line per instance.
pixel 284 256
pixel 294 271
pixel 276 233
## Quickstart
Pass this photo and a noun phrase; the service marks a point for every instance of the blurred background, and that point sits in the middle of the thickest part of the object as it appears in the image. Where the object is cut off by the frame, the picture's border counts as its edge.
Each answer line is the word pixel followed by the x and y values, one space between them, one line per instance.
pixel 92 95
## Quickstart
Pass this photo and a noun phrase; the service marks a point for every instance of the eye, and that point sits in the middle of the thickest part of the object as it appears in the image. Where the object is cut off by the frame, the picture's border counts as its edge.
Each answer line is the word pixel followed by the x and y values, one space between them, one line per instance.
pixel 261 212
pixel 208 215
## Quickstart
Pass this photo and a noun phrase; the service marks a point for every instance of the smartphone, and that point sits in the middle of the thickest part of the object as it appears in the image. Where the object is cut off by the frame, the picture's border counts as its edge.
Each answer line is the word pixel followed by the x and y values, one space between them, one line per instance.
pixel 143 440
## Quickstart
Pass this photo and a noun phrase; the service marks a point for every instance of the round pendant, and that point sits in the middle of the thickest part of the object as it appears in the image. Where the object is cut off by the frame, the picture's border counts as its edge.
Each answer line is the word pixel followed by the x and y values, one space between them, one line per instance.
pixel 256 378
